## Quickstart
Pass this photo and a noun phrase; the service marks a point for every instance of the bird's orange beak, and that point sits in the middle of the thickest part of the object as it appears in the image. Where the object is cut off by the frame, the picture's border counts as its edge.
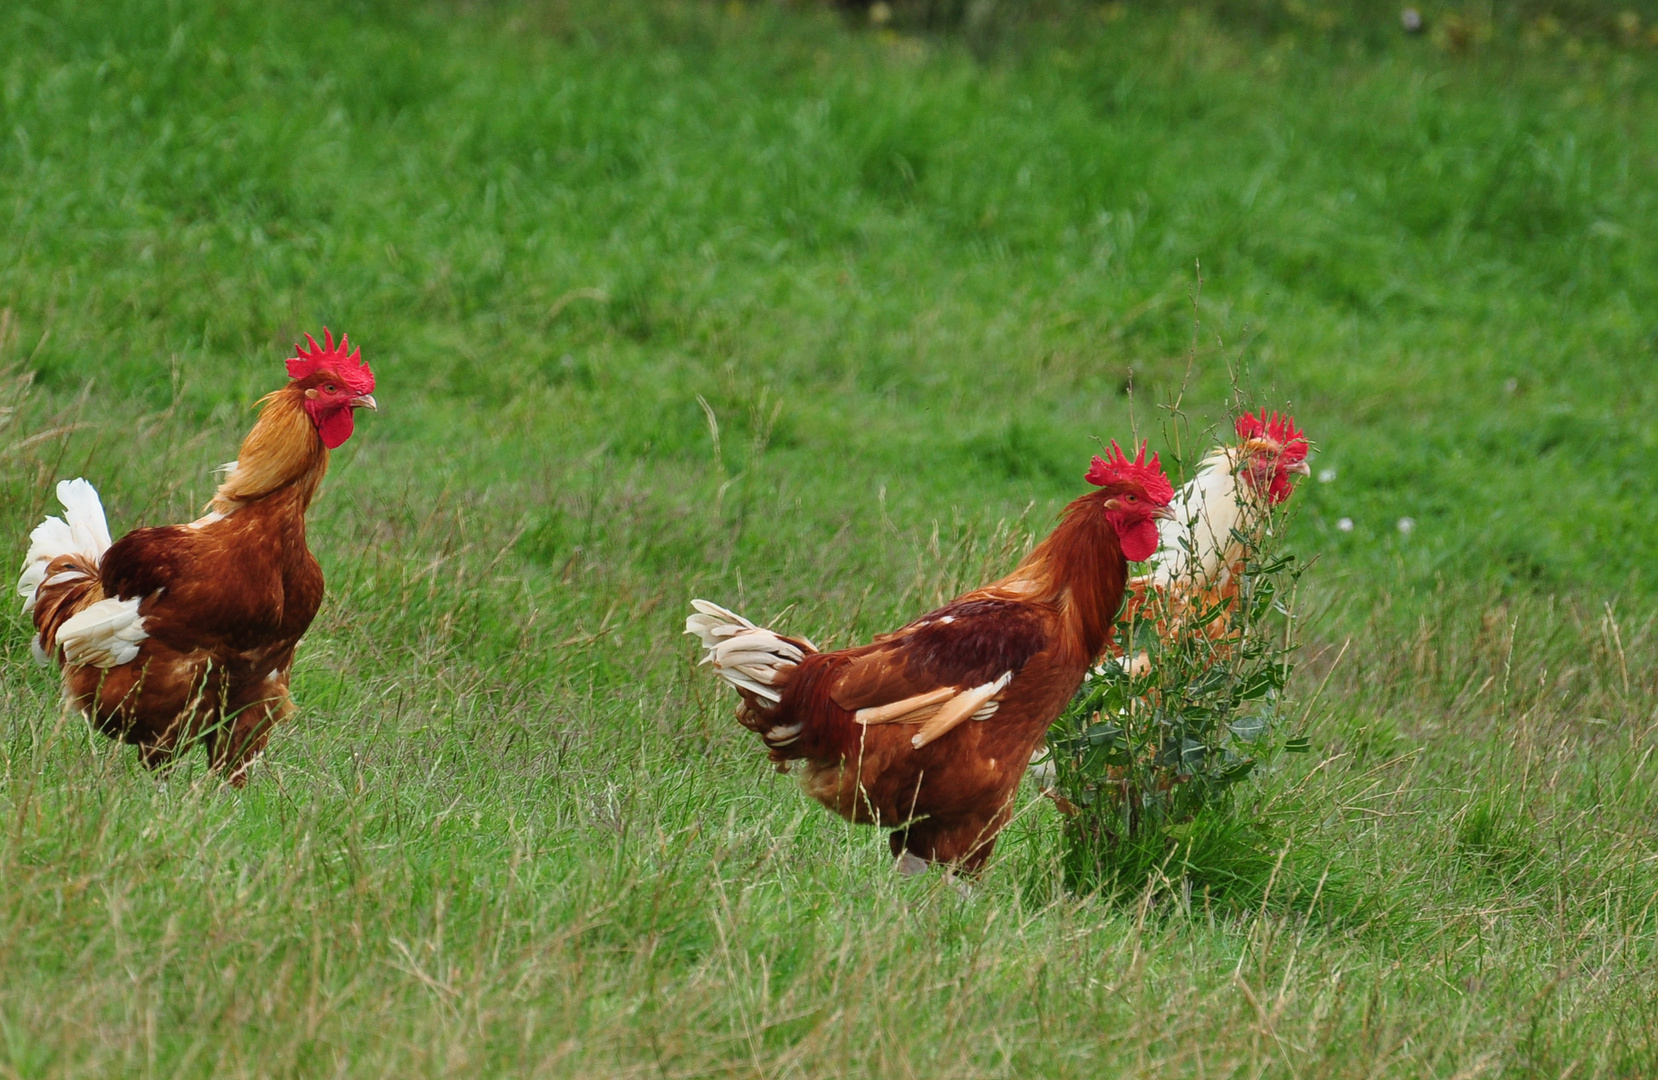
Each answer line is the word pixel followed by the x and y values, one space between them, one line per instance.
pixel 364 401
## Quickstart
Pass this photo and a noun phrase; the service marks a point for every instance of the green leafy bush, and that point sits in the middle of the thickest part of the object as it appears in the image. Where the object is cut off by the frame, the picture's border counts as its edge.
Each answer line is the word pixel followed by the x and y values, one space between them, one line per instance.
pixel 1163 735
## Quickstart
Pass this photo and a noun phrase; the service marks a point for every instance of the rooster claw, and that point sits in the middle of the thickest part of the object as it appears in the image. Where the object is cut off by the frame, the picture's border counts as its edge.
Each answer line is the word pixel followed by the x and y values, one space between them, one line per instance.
pixel 909 864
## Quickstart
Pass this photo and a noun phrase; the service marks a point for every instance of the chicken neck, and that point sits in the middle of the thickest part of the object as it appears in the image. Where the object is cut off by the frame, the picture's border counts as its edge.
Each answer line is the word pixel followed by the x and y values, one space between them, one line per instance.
pixel 1080 570
pixel 283 453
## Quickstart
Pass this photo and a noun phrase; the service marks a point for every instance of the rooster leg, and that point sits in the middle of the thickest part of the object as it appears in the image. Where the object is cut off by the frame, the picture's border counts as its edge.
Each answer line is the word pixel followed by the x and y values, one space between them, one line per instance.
pixel 233 746
pixel 232 752
pixel 159 753
pixel 964 842
pixel 238 777
pixel 160 741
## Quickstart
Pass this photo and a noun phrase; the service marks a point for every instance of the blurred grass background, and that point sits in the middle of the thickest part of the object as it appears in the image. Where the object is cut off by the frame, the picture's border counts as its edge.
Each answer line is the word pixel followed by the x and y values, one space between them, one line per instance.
pixel 914 261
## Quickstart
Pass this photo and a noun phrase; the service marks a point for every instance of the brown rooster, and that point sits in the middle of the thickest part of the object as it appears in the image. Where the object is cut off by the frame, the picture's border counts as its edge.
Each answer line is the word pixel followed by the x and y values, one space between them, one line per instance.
pixel 187 632
pixel 884 729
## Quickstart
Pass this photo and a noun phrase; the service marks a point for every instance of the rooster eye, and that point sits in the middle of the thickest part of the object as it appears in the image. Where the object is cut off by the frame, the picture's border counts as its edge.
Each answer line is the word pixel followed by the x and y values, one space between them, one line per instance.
pixel 331 388
pixel 1131 498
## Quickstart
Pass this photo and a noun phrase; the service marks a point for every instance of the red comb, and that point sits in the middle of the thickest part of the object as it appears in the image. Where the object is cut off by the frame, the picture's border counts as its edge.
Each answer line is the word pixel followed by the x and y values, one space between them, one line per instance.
pixel 1148 474
pixel 344 362
pixel 1280 429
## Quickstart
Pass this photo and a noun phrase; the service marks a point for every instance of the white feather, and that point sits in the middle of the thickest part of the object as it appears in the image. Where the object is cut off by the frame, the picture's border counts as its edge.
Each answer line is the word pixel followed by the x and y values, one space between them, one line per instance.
pixel 106 634
pixel 783 734
pixel 81 530
pixel 1042 770
pixel 968 703
pixel 755 657
pixel 1193 544
pixel 746 656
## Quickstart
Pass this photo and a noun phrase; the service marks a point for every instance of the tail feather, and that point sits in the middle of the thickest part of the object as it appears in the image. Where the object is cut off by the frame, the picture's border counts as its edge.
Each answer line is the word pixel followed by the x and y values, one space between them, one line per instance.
pixel 71 587
pixel 749 657
pixel 81 531
pixel 106 634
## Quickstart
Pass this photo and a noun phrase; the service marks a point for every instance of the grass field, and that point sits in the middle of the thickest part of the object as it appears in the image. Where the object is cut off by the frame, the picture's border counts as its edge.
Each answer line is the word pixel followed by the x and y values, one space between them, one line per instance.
pixel 513 830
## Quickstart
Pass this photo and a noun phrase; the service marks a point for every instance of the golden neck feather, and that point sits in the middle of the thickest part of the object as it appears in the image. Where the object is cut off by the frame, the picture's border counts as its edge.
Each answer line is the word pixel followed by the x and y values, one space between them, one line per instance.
pixel 1080 569
pixel 283 451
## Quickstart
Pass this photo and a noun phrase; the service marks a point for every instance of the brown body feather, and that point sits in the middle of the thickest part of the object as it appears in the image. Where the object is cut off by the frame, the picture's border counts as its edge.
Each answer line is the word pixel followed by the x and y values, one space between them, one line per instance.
pixel 224 600
pixel 1045 623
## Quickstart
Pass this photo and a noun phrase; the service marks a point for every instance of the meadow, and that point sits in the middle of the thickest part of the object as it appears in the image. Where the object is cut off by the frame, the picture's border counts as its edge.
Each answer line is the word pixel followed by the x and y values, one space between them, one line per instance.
pixel 760 303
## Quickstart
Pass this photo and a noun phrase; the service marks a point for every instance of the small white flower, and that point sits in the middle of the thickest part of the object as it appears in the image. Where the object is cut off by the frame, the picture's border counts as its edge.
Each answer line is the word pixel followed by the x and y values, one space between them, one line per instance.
pixel 1326 475
pixel 1345 524
pixel 1406 525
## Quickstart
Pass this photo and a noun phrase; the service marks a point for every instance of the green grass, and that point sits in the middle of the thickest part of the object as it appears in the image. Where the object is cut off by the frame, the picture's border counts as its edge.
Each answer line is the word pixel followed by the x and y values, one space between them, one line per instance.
pixel 514 831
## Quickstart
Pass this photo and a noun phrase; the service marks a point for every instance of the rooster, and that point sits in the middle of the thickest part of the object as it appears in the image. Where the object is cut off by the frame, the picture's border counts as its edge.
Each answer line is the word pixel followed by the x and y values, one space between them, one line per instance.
pixel 927 730
pixel 186 633
pixel 1199 553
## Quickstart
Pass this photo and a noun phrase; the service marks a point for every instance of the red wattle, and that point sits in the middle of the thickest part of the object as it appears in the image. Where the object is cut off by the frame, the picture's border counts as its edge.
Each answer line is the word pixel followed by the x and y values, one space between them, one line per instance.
pixel 335 427
pixel 1138 540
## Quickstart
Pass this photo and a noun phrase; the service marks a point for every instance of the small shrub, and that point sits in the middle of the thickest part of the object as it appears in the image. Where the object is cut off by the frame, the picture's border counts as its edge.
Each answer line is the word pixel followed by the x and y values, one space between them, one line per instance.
pixel 1154 744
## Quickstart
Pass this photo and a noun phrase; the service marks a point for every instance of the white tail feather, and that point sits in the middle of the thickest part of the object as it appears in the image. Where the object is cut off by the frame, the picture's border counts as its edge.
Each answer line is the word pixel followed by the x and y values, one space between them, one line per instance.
pixel 81 530
pixel 747 656
pixel 106 634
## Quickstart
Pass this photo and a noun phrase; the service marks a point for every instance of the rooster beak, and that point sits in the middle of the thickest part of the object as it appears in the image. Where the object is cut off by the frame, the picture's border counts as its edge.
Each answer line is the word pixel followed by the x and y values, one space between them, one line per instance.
pixel 364 401
pixel 1301 468
pixel 1163 513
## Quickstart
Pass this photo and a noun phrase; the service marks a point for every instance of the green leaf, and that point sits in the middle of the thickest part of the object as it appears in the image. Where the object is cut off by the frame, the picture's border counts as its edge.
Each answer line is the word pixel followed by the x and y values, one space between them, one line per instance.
pixel 1104 735
pixel 1215 679
pixel 1210 615
pixel 1261 683
pixel 1277 565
